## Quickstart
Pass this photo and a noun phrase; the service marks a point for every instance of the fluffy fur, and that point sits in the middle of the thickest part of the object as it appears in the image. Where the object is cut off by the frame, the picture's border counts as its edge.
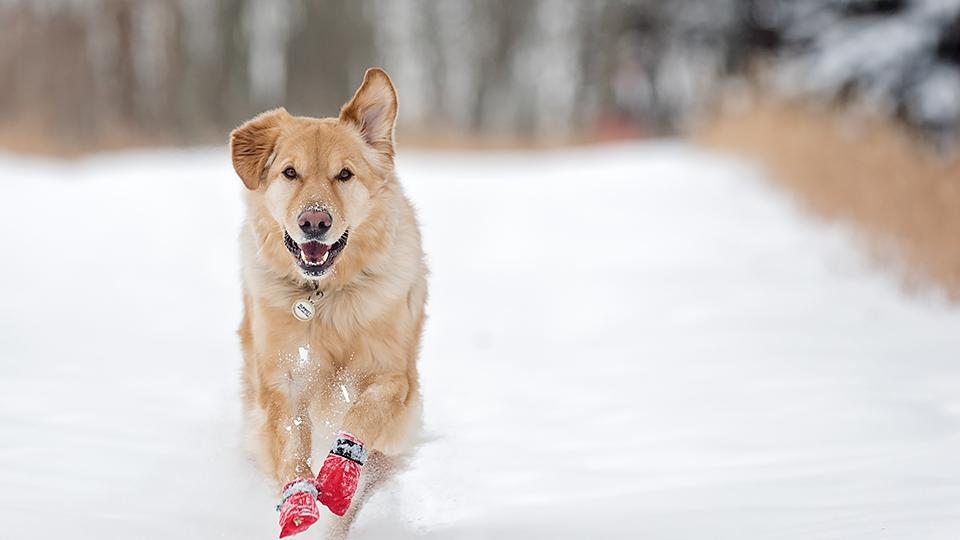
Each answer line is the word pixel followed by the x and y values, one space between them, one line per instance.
pixel 354 366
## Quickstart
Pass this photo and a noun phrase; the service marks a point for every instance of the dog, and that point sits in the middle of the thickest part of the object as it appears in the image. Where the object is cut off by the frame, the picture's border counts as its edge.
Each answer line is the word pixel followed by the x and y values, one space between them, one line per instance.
pixel 334 288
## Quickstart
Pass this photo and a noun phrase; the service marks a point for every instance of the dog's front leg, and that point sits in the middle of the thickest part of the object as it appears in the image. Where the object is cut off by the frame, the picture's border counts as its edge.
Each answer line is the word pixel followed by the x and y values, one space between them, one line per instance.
pixel 286 436
pixel 381 401
pixel 379 405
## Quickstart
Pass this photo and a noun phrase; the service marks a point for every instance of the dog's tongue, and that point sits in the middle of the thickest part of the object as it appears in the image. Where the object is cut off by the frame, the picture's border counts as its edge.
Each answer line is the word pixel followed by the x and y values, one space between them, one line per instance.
pixel 314 251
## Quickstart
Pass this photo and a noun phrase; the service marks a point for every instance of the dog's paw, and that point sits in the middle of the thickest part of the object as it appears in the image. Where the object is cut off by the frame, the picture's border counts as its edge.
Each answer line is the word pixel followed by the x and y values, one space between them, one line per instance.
pixel 298 508
pixel 340 473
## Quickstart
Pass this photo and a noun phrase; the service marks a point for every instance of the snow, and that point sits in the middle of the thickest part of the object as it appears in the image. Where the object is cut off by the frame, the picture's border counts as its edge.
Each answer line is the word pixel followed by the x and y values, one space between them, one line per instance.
pixel 630 341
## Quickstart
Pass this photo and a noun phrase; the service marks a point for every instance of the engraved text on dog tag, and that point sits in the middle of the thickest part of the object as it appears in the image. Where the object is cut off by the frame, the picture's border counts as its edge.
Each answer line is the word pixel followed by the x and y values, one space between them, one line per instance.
pixel 303 309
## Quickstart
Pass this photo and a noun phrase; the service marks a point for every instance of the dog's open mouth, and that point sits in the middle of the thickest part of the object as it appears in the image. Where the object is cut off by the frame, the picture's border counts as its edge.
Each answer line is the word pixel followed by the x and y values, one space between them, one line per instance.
pixel 315 258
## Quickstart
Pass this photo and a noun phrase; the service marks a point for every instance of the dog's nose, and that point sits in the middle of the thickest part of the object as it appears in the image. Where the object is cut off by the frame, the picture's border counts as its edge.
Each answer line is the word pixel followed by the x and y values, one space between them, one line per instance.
pixel 315 223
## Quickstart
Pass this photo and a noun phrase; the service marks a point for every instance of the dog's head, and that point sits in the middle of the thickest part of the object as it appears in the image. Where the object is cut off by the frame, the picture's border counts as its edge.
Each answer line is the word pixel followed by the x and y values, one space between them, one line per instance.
pixel 314 181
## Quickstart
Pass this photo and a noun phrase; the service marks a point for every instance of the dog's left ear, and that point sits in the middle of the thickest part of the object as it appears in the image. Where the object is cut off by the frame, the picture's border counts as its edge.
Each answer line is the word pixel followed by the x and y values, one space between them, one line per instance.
pixel 373 110
pixel 252 144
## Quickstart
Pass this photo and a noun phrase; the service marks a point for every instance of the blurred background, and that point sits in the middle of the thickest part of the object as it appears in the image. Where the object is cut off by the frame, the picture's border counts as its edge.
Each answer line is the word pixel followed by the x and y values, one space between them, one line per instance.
pixel 759 307
pixel 768 78
pixel 84 75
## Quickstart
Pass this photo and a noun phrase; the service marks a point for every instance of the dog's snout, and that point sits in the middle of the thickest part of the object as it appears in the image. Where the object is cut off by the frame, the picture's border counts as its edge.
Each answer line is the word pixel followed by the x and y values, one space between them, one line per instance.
pixel 315 223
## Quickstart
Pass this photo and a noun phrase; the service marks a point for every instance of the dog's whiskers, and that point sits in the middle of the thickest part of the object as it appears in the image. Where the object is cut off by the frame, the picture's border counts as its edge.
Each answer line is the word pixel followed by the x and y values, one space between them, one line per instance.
pixel 263 243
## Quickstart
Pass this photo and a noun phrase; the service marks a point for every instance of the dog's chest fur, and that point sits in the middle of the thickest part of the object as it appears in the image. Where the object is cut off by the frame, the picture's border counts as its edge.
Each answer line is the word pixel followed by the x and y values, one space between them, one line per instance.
pixel 337 344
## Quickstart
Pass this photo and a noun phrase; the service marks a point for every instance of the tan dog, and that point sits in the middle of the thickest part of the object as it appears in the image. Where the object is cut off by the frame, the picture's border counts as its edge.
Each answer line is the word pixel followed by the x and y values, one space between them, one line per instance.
pixel 328 221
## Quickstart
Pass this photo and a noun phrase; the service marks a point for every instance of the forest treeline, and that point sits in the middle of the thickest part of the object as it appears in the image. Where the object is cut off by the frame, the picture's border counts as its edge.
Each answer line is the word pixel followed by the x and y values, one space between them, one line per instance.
pixel 101 72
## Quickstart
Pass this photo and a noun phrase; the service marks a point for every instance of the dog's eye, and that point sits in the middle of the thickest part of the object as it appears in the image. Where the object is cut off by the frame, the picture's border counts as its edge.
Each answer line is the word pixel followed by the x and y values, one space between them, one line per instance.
pixel 290 173
pixel 344 174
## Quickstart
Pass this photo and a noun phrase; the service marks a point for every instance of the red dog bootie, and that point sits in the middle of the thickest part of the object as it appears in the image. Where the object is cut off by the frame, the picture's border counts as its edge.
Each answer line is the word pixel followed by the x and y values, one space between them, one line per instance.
pixel 298 509
pixel 340 473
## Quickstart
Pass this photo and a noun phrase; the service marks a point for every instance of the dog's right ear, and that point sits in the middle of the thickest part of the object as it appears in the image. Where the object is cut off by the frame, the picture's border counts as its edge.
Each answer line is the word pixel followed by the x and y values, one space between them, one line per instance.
pixel 251 145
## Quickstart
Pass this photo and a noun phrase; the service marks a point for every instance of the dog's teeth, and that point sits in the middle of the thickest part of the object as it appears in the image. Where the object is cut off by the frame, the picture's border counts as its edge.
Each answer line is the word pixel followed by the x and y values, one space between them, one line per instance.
pixel 303 257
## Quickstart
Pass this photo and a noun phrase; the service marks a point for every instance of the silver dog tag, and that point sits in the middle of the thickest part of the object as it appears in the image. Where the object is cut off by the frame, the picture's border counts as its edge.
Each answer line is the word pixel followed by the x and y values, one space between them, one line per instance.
pixel 303 309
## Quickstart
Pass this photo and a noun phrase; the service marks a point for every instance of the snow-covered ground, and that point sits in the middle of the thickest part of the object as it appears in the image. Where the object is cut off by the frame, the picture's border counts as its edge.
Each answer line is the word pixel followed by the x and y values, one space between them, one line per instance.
pixel 636 341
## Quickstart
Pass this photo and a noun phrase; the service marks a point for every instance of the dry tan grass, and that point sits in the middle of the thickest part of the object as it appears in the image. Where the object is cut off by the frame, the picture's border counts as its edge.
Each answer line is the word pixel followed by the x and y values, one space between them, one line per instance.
pixel 904 197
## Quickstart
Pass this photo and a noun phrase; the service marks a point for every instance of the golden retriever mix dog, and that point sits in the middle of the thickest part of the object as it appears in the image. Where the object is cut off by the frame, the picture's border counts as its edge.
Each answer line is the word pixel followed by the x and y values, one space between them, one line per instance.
pixel 334 287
